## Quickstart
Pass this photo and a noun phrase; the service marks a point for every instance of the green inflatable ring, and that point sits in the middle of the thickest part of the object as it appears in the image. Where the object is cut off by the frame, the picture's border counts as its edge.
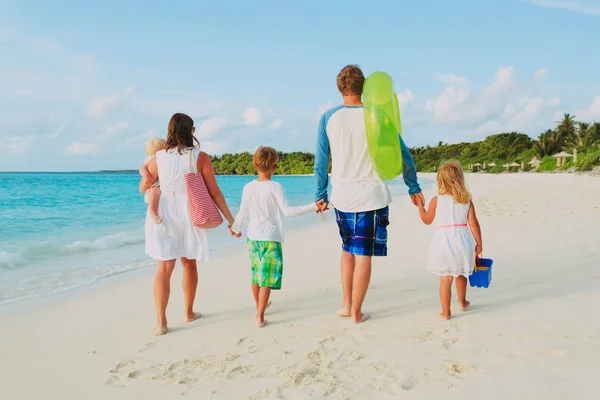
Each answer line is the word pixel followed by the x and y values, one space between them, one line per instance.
pixel 382 123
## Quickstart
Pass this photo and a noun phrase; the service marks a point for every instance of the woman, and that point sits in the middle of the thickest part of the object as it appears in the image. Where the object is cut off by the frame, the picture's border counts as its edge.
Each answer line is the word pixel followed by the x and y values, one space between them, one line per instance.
pixel 176 237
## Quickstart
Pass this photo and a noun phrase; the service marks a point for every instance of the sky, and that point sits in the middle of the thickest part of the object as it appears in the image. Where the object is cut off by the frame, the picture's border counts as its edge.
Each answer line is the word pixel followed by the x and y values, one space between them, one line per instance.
pixel 84 84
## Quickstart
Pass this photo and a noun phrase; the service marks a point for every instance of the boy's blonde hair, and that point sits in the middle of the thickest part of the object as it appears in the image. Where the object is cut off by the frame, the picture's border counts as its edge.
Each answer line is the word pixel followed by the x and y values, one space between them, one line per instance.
pixel 154 145
pixel 265 159
pixel 451 181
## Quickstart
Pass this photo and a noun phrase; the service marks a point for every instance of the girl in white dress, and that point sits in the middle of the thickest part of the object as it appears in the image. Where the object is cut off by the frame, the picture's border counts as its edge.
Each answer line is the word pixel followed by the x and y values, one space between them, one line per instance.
pixel 457 236
pixel 176 237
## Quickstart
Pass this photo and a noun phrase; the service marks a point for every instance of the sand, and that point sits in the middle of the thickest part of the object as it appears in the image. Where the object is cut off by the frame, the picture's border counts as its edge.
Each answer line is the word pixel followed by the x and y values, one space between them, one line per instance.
pixel 534 334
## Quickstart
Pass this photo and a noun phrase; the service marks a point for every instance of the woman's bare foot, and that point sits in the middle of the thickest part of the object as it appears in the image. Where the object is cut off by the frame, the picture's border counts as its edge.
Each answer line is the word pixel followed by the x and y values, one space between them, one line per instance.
pixel 160 330
pixel 465 306
pixel 193 317
pixel 344 311
pixel 157 220
pixel 445 316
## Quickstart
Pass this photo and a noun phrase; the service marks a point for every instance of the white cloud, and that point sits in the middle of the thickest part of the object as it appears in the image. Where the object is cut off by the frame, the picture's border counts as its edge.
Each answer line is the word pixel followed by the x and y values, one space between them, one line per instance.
pixel 503 80
pixel 524 118
pixel 590 113
pixel 276 124
pixel 15 145
pixel 216 147
pixel 86 62
pixel 591 7
pixel 116 128
pixel 555 101
pixel 252 116
pixel 445 106
pixel 137 140
pixel 101 106
pixel 404 98
pixel 82 148
pixel 452 79
pixel 210 127
pixel 540 74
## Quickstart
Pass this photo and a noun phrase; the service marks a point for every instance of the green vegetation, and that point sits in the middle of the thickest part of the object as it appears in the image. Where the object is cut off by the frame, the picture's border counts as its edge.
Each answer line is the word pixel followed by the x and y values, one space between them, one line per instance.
pixel 296 163
pixel 507 148
pixel 500 149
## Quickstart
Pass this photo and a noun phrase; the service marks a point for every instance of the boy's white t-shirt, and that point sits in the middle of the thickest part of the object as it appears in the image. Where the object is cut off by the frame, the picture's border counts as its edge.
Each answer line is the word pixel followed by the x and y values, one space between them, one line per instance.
pixel 262 206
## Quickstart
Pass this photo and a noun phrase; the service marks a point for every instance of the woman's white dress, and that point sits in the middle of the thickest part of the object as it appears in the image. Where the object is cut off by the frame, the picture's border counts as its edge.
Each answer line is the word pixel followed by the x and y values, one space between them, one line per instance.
pixel 176 236
pixel 452 248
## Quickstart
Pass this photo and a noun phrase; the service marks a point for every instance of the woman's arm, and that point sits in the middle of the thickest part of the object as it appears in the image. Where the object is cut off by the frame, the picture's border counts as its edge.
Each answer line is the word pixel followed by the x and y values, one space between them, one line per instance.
pixel 475 228
pixel 205 167
pixel 150 178
pixel 427 216
pixel 290 211
pixel 242 215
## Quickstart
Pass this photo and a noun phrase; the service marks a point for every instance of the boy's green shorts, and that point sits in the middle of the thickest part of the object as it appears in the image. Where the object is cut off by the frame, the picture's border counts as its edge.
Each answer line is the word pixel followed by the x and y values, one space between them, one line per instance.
pixel 267 263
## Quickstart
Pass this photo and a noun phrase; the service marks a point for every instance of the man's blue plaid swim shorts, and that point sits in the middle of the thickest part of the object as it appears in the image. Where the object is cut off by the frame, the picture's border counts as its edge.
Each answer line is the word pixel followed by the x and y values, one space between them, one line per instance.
pixel 364 233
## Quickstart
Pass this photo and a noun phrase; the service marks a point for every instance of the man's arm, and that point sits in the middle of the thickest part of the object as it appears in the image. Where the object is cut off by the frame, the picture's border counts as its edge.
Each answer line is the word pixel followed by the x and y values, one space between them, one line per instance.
pixel 322 162
pixel 409 172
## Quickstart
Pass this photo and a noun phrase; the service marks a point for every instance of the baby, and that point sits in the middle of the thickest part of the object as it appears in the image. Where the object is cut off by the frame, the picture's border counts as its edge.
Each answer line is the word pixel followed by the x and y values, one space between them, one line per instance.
pixel 153 194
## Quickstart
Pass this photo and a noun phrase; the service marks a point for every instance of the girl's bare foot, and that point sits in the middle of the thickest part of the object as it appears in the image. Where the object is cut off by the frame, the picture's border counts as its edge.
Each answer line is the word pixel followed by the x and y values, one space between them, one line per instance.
pixel 445 316
pixel 160 330
pixel 363 318
pixel 193 317
pixel 261 324
pixel 465 306
pixel 157 220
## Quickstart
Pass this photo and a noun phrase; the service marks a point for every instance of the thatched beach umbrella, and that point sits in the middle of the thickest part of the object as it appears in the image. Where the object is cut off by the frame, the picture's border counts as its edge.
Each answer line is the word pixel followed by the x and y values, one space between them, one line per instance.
pixel 492 164
pixel 535 163
pixel 561 158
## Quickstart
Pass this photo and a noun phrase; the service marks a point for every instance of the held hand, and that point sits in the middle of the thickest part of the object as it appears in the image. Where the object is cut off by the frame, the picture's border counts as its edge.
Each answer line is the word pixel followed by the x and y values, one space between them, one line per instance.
pixel 418 199
pixel 322 206
pixel 237 235
pixel 478 249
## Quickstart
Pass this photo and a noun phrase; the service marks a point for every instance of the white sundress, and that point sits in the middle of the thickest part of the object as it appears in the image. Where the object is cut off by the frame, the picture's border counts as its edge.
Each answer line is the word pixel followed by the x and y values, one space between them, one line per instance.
pixel 452 248
pixel 176 236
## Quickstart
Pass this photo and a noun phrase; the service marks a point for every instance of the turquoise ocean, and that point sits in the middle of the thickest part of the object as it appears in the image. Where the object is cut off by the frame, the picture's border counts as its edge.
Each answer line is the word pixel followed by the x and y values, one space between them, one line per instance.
pixel 60 231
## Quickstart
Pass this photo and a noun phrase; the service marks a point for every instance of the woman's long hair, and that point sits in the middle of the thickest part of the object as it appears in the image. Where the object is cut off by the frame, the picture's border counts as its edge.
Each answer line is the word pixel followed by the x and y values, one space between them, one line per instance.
pixel 180 135
pixel 451 181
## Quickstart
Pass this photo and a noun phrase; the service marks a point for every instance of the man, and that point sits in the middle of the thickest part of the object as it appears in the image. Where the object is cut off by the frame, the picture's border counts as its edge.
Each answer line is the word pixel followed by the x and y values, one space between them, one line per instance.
pixel 360 197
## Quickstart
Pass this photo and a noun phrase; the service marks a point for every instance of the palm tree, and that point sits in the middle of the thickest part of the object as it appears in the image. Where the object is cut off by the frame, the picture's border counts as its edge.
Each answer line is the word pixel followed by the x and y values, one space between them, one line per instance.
pixel 582 132
pixel 567 127
pixel 549 142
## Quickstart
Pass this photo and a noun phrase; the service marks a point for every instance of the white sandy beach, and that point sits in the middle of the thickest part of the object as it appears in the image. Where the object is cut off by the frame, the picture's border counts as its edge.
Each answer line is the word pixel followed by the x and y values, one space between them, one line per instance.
pixel 534 334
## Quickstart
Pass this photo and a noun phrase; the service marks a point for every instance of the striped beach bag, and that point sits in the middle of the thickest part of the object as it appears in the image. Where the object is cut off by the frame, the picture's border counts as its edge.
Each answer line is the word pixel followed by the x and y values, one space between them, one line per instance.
pixel 203 211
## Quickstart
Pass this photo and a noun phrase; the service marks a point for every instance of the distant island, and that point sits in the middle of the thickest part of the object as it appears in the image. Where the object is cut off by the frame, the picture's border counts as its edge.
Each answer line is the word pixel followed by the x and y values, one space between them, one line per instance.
pixel 496 153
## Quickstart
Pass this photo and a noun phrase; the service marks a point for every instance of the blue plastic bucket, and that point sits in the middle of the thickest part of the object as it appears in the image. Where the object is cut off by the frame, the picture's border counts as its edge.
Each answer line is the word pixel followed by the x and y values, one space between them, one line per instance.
pixel 482 276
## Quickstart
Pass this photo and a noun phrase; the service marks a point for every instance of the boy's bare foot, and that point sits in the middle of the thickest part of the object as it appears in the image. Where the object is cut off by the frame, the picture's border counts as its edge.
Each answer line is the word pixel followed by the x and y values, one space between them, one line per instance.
pixel 193 317
pixel 363 318
pixel 160 330
pixel 465 306
pixel 157 220
pixel 261 324
pixel 445 316
pixel 268 304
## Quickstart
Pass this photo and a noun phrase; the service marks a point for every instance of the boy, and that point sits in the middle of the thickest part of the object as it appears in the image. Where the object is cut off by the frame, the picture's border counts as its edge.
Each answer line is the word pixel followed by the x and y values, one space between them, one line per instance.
pixel 263 202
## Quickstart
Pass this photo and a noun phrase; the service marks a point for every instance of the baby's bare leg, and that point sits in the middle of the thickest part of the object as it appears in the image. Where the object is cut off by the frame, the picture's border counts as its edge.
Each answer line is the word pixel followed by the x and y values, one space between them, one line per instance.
pixel 461 289
pixel 153 198
pixel 446 295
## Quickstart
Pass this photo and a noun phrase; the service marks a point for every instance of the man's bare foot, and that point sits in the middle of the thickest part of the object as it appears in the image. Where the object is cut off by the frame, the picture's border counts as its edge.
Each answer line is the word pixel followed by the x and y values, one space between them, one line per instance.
pixel 157 220
pixel 445 316
pixel 160 330
pixel 343 312
pixel 261 324
pixel 465 306
pixel 363 318
pixel 193 317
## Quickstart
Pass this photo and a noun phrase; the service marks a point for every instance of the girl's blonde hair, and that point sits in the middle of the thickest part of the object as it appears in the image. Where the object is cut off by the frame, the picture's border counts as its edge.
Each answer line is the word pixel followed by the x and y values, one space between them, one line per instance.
pixel 154 145
pixel 451 181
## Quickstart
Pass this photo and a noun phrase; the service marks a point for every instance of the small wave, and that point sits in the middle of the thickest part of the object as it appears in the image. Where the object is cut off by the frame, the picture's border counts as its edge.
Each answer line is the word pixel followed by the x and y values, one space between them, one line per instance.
pixel 120 239
pixel 11 260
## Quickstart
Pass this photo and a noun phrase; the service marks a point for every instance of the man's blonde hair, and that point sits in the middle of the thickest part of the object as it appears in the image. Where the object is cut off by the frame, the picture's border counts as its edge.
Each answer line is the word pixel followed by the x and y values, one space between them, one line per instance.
pixel 350 80
pixel 451 181
pixel 265 159
pixel 154 145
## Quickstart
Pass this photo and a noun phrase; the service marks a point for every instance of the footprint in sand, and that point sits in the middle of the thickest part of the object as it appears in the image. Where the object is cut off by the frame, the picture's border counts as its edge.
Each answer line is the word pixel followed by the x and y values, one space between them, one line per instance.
pixel 148 346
